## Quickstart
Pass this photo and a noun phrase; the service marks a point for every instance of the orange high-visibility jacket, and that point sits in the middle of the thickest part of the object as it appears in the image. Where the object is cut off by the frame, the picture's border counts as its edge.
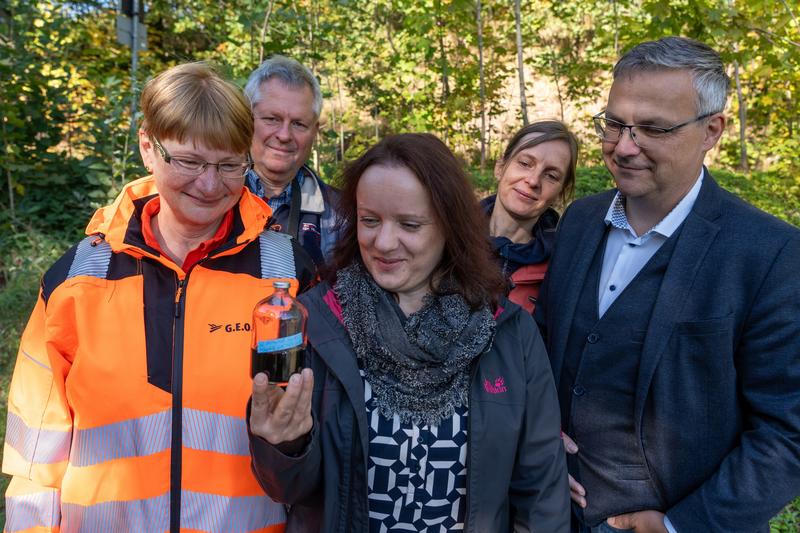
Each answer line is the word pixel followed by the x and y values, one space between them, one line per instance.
pixel 127 404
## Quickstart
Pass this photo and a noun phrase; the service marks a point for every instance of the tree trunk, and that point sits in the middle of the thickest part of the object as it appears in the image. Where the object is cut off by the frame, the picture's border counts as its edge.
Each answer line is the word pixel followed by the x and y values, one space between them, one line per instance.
pixel 743 165
pixel 335 126
pixel 341 141
pixel 9 179
pixel 491 59
pixel 264 29
pixel 442 53
pixel 445 76
pixel 482 83
pixel 616 30
pixel 521 65
pixel 341 110
pixel 557 79
pixel 389 38
pixel 252 37
pixel 313 23
pixel 375 121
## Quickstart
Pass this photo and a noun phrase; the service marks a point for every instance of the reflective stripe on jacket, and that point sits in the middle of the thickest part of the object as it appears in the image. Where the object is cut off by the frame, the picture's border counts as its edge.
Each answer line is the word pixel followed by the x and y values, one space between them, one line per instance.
pixel 126 409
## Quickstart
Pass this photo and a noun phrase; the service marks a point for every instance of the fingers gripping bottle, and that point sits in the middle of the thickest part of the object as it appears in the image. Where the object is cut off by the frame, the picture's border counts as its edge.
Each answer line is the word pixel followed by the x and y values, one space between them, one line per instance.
pixel 279 335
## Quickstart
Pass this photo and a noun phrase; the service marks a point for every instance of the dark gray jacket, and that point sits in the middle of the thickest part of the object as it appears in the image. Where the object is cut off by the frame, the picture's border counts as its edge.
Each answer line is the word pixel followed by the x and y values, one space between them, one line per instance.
pixel 517 479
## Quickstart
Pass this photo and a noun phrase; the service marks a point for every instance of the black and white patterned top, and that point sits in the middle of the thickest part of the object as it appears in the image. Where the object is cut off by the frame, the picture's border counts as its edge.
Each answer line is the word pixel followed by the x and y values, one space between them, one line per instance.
pixel 417 475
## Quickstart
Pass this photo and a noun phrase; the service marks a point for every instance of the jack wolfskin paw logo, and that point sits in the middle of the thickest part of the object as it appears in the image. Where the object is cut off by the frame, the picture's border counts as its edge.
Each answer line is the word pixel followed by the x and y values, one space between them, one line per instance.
pixel 496 387
pixel 214 327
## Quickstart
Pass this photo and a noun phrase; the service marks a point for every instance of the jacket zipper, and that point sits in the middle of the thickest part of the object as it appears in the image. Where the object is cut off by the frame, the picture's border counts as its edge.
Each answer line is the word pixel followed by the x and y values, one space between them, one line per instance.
pixel 176 458
pixel 473 373
pixel 349 498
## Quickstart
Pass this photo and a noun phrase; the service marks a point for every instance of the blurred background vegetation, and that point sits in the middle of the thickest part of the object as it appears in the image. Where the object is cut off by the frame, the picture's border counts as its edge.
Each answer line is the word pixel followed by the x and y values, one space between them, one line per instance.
pixel 455 68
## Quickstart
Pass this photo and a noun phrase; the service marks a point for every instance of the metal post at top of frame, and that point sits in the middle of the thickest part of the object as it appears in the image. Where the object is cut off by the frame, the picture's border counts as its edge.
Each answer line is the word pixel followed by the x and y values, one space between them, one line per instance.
pixel 132 32
pixel 135 40
pixel 130 16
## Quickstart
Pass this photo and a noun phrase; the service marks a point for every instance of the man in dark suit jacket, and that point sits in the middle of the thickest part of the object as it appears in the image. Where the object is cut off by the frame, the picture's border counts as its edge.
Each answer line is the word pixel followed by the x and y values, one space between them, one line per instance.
pixel 671 313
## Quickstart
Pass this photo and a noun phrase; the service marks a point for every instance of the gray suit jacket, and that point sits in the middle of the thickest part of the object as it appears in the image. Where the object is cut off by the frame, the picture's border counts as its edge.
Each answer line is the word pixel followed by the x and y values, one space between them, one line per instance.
pixel 717 405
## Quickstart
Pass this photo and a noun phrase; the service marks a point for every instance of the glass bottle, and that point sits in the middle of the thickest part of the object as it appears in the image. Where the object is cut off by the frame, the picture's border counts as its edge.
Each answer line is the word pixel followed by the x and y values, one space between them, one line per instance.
pixel 279 335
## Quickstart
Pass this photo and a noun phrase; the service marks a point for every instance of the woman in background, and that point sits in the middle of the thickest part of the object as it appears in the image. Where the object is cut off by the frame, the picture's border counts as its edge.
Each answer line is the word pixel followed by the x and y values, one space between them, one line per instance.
pixel 536 172
pixel 428 402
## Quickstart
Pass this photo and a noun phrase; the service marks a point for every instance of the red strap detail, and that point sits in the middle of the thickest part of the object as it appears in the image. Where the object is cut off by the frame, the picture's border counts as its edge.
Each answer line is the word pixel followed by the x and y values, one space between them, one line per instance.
pixel 334 305
pixel 529 273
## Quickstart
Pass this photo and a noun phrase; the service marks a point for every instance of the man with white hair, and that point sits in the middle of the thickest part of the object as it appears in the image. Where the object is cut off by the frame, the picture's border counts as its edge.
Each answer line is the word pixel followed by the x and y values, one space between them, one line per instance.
pixel 286 100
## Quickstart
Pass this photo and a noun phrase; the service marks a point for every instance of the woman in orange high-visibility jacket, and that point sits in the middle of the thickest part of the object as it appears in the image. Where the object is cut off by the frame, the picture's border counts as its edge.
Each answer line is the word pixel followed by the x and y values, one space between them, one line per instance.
pixel 126 409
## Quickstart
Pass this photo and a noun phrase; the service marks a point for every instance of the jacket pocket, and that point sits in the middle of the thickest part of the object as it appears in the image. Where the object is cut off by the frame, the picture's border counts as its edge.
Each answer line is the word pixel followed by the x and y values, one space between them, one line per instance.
pixel 707 326
pixel 637 336
pixel 705 347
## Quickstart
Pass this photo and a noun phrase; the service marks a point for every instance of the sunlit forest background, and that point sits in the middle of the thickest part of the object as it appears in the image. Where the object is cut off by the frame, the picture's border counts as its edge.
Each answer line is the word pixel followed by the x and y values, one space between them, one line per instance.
pixel 470 71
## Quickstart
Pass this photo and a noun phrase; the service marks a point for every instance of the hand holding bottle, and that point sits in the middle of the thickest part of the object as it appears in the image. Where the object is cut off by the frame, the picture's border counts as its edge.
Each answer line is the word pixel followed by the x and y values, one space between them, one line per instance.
pixel 281 416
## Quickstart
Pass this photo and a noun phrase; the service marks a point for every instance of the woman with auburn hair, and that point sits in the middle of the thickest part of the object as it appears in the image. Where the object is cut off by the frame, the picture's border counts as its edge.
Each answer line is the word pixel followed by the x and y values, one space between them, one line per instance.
pixel 428 402
pixel 536 172
pixel 126 409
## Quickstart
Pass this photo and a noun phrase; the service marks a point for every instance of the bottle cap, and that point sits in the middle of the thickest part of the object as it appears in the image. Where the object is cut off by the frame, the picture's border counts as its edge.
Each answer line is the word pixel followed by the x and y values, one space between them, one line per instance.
pixel 281 284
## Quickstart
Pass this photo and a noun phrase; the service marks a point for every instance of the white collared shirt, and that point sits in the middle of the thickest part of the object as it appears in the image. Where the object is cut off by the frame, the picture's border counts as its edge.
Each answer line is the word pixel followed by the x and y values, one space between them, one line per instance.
pixel 626 253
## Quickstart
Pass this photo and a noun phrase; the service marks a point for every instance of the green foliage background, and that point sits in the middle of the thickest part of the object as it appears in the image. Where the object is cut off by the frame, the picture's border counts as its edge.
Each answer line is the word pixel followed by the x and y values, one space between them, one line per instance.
pixel 67 142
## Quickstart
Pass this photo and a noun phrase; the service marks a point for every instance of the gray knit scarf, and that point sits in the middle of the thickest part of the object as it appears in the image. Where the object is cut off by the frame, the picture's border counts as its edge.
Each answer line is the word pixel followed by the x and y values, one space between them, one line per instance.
pixel 418 370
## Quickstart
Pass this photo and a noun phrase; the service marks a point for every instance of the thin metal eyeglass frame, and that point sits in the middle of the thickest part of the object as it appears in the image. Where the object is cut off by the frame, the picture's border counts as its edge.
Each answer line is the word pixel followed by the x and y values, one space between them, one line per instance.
pixel 600 130
pixel 168 159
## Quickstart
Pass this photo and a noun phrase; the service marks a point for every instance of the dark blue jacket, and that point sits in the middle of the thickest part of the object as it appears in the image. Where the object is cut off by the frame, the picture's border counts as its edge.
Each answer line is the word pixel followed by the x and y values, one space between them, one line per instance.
pixel 717 402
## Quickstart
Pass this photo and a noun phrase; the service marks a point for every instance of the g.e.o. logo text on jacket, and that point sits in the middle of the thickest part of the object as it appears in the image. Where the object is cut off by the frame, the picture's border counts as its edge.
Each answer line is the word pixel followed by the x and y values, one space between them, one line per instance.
pixel 230 328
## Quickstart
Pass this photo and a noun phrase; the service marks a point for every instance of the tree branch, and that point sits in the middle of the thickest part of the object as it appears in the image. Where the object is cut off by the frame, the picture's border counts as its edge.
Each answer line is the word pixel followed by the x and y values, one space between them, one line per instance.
pixel 767 34
pixel 789 9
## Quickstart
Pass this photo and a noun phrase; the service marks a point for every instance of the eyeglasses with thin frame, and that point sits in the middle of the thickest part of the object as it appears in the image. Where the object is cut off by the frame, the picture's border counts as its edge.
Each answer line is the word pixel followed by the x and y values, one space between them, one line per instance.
pixel 643 135
pixel 194 167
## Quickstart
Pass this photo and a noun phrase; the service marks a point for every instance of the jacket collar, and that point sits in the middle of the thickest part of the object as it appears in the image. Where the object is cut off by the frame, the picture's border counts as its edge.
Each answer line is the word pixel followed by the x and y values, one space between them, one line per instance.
pixel 537 250
pixel 311 197
pixel 119 222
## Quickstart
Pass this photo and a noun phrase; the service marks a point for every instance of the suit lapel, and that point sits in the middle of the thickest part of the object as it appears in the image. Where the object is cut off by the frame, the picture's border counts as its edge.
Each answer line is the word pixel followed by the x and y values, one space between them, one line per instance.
pixel 571 282
pixel 694 240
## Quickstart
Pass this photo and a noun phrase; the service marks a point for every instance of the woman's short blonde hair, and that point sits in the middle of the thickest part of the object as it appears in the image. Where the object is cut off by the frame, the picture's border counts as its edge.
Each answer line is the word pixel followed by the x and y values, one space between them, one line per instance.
pixel 193 102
